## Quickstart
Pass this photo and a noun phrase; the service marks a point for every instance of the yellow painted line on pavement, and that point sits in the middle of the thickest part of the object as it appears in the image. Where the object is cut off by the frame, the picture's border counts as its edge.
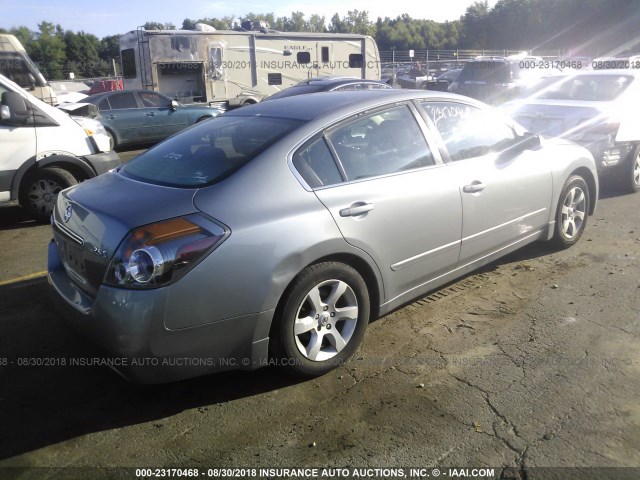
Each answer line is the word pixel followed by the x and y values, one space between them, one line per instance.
pixel 24 278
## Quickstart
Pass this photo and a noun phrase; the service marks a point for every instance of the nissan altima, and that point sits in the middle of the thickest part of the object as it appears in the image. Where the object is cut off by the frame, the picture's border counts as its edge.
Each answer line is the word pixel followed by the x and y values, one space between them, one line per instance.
pixel 274 233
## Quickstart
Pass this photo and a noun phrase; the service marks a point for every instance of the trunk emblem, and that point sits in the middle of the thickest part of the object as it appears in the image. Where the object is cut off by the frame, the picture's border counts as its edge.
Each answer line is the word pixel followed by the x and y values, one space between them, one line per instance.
pixel 67 214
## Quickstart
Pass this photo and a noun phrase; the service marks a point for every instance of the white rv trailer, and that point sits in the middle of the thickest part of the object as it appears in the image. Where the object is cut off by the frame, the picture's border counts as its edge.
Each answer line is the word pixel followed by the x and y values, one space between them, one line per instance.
pixel 239 67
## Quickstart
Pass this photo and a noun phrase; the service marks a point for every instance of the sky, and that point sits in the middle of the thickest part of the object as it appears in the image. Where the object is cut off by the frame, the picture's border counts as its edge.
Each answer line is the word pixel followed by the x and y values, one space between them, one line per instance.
pixel 116 17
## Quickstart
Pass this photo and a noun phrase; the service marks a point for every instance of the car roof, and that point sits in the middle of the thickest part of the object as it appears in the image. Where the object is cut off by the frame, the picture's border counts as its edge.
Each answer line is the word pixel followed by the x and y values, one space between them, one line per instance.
pixel 334 81
pixel 314 105
pixel 99 96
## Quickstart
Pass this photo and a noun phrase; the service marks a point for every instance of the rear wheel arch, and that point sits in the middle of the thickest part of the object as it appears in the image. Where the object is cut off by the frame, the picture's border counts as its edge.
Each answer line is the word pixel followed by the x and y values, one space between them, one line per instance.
pixel 371 280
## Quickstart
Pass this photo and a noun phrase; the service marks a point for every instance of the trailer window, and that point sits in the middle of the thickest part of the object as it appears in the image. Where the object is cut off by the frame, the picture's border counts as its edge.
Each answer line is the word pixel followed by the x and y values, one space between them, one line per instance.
pixel 355 60
pixel 325 54
pixel 304 58
pixel 180 43
pixel 128 63
pixel 215 63
pixel 274 78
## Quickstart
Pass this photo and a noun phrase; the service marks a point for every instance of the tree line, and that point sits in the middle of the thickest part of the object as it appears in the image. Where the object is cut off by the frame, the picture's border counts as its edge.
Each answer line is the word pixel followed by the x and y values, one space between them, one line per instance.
pixel 578 27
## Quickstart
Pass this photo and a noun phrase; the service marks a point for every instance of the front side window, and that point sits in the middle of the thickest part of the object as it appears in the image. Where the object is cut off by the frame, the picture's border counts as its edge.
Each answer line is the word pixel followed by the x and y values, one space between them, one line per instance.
pixel 467 131
pixel 154 100
pixel 382 143
pixel 209 151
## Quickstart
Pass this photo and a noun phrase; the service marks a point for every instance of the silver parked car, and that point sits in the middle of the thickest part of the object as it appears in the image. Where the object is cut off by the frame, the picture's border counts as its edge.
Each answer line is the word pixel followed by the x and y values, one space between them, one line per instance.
pixel 597 109
pixel 275 233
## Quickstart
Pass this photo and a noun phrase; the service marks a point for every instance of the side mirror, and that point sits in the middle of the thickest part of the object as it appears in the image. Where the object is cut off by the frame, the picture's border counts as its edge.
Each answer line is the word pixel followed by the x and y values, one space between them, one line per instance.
pixel 174 105
pixel 14 110
pixel 529 141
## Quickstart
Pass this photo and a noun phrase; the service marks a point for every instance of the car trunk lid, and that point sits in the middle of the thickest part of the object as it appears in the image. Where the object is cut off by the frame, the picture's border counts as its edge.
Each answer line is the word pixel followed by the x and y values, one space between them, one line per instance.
pixel 92 218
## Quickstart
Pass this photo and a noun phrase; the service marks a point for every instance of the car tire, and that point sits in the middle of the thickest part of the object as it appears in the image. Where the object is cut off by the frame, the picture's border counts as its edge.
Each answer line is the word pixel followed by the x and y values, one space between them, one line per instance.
pixel 202 119
pixel 571 213
pixel 40 189
pixel 322 321
pixel 630 172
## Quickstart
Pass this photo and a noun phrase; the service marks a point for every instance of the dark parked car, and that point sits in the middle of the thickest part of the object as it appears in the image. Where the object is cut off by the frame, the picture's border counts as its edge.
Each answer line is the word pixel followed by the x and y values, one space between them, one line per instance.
pixel 329 84
pixel 496 80
pixel 441 84
pixel 278 231
pixel 134 117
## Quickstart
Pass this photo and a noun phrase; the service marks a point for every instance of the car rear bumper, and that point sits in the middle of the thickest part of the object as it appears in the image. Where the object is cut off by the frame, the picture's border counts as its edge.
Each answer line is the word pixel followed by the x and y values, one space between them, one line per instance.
pixel 103 162
pixel 129 325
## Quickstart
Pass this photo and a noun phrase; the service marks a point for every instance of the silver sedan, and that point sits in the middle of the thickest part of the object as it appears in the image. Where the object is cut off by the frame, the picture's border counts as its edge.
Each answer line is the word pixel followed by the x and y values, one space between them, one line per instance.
pixel 273 234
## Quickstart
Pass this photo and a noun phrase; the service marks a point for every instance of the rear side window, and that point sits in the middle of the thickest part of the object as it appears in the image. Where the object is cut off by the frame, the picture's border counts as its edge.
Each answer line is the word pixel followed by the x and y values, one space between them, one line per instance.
pixel 104 104
pixel 316 165
pixel 122 100
pixel 208 152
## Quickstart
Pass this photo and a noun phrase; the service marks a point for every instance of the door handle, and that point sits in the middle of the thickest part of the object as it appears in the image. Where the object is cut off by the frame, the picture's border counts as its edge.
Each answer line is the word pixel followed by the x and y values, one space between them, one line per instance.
pixel 475 187
pixel 150 114
pixel 111 117
pixel 356 209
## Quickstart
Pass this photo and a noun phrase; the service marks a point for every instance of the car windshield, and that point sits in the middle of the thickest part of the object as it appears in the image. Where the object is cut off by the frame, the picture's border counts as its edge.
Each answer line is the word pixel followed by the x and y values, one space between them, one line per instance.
pixel 593 88
pixel 209 151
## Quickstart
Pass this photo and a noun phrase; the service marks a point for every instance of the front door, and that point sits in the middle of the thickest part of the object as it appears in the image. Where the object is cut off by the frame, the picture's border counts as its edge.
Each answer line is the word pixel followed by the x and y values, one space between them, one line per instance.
pixel 505 196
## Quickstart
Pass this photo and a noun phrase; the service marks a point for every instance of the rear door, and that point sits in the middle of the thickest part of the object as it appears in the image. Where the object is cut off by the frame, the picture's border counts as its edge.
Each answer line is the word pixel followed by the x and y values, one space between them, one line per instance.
pixel 392 197
pixel 124 117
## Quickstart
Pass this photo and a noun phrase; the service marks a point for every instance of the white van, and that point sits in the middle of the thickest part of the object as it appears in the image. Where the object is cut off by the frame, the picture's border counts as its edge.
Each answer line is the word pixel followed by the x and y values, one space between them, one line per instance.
pixel 43 150
pixel 16 65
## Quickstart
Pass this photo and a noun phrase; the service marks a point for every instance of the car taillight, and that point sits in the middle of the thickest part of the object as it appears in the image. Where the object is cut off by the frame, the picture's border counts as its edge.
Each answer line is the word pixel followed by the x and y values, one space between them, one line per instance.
pixel 161 253
pixel 599 127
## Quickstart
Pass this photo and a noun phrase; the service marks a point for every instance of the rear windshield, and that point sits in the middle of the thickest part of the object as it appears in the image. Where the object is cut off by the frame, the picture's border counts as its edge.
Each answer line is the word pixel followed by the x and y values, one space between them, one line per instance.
pixel 208 152
pixel 589 88
pixel 489 71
